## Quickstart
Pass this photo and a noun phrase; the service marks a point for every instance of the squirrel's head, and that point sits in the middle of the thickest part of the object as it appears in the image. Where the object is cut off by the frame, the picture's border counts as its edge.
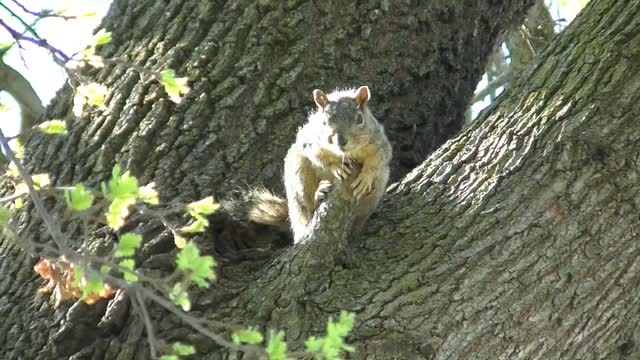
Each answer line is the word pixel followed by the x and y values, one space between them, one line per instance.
pixel 346 117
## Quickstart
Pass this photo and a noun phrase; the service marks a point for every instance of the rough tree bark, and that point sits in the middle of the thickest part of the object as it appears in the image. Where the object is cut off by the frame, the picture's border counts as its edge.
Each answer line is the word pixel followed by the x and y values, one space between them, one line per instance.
pixel 515 240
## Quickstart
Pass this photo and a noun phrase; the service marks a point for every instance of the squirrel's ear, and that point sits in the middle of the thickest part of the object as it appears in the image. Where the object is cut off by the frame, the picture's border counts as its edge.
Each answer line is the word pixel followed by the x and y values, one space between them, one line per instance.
pixel 320 98
pixel 362 95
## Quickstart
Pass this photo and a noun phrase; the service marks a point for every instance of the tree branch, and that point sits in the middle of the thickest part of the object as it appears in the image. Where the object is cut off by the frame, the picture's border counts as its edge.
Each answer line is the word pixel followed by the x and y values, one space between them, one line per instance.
pixel 21 90
pixel 43 14
pixel 501 80
pixel 28 27
pixel 52 225
pixel 138 302
pixel 58 55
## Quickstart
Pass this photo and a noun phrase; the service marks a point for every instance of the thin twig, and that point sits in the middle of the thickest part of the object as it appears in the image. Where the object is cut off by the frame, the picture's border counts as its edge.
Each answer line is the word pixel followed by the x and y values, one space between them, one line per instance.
pixel 146 211
pixel 45 191
pixel 38 14
pixel 172 308
pixel 52 226
pixel 194 323
pixel 64 250
pixel 147 323
pixel 45 13
pixel 137 288
pixel 152 282
pixel 61 57
pixel 10 198
pixel 491 87
pixel 24 23
pixel 25 9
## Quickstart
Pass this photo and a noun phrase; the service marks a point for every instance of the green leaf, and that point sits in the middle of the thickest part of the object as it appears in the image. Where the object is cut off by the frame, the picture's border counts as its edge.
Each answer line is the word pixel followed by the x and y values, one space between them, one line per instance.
pixel 130 277
pixel 101 37
pixel 93 93
pixel 64 9
pixel 198 268
pixel 187 256
pixel 118 211
pixel 92 286
pixel 179 297
pixel 115 172
pixel 175 87
pixel 183 349
pixel 18 151
pixel 128 244
pixel 4 49
pixel 88 285
pixel 78 273
pixel 148 194
pixel 331 346
pixel 53 127
pixel 122 186
pixel 313 344
pixel 276 347
pixel 169 357
pixel 345 324
pixel 93 60
pixel 205 206
pixel 179 241
pixel 41 180
pixel 78 199
pixel 5 216
pixel 247 337
pixel 123 190
pixel 129 264
pixel 104 270
pixel 199 218
pixel 196 227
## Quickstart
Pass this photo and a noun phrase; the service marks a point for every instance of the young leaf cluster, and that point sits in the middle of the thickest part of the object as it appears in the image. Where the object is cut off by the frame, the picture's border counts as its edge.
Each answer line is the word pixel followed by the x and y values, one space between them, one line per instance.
pixel 330 347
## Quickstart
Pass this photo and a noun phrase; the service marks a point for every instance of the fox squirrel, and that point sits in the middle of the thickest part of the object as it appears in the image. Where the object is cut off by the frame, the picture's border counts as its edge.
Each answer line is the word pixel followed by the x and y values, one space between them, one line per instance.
pixel 340 137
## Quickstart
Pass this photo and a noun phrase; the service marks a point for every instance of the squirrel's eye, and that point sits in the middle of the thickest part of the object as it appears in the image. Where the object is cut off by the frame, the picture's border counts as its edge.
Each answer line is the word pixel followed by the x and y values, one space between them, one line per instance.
pixel 359 119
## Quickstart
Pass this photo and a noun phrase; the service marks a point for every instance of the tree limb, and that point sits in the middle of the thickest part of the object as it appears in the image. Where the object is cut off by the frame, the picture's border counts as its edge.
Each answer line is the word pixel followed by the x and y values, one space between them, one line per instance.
pixel 501 80
pixel 21 90
pixel 58 55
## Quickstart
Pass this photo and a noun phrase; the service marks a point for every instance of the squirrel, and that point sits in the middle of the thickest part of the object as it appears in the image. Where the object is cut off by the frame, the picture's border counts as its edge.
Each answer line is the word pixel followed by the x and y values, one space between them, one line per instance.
pixel 340 137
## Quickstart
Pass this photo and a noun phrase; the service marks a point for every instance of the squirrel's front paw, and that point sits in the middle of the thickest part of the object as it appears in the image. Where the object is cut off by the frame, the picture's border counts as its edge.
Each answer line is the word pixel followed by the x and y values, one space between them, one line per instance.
pixel 363 184
pixel 323 191
pixel 341 171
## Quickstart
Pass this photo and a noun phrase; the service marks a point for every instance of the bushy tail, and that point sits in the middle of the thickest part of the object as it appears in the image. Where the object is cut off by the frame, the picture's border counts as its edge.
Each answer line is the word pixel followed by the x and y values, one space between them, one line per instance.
pixel 258 205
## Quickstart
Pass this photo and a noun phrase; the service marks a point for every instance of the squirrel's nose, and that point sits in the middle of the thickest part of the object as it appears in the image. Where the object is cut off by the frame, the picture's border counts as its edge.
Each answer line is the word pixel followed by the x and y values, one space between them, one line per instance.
pixel 337 139
pixel 342 141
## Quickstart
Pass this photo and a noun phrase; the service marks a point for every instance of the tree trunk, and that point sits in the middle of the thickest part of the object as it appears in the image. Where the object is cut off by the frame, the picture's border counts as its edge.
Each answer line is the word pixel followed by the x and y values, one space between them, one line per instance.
pixel 515 240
